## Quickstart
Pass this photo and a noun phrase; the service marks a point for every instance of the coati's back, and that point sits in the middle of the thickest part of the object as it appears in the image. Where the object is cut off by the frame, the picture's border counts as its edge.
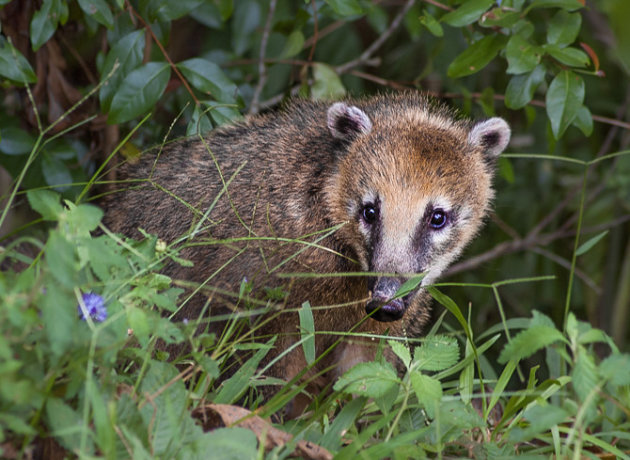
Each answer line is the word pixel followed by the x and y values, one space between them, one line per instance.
pixel 407 184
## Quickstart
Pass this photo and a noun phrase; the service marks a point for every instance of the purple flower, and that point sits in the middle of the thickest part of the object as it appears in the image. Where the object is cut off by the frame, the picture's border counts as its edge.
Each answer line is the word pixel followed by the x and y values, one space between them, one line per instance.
pixel 94 307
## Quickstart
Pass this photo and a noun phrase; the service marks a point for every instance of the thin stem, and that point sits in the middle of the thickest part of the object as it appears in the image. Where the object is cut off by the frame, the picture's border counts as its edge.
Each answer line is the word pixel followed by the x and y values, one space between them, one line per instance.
pixel 575 247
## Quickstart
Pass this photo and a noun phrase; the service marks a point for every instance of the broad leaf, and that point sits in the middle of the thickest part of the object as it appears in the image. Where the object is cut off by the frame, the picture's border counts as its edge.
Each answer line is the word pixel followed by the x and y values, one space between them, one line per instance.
pixel 345 7
pixel 477 56
pixel 327 83
pixel 46 203
pixel 469 12
pixel 401 350
pixel 522 56
pixel 528 342
pixel 15 141
pixel 428 391
pixel 139 92
pixel 563 28
pixel 569 56
pixel 564 99
pixel 208 77
pixel 13 65
pixel 372 379
pixel 521 88
pixel 99 11
pixel 569 5
pixel 127 55
pixel 437 352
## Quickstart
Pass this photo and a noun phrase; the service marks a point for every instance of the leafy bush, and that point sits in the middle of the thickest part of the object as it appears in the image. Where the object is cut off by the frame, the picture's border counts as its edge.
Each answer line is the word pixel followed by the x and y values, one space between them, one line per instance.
pixel 82 309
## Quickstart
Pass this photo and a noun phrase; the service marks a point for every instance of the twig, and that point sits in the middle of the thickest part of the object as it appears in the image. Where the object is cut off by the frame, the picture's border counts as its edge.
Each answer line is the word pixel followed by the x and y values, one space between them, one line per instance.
pixel 530 241
pixel 262 69
pixel 164 53
pixel 566 264
pixel 367 54
pixel 439 5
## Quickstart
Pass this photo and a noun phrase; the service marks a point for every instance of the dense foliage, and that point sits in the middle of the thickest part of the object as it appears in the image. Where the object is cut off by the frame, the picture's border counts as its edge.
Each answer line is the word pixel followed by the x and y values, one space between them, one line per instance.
pixel 526 353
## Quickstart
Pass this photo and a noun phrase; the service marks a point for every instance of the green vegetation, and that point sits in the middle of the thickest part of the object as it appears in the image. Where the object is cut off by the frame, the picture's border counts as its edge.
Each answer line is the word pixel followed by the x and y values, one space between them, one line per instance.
pixel 526 356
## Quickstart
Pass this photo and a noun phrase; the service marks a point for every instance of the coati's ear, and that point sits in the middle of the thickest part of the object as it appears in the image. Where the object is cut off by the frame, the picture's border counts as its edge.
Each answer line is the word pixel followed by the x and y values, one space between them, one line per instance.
pixel 347 121
pixel 492 135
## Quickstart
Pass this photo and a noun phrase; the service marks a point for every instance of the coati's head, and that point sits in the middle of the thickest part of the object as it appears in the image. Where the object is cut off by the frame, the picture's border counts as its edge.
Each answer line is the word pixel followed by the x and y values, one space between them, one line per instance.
pixel 413 185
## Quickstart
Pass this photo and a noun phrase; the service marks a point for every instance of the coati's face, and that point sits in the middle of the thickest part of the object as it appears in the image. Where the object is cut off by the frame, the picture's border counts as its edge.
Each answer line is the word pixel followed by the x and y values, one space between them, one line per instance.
pixel 413 188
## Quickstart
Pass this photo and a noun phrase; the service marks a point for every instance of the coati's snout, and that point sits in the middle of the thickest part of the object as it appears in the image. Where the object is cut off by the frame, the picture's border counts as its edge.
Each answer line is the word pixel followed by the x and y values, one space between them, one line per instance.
pixel 383 306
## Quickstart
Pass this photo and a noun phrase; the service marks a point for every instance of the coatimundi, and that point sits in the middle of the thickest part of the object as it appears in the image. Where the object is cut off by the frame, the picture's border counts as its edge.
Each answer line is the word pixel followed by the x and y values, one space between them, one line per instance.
pixel 392 184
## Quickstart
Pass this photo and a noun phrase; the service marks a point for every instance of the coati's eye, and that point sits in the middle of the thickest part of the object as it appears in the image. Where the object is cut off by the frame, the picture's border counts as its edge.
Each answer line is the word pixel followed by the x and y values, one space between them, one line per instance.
pixel 438 219
pixel 369 213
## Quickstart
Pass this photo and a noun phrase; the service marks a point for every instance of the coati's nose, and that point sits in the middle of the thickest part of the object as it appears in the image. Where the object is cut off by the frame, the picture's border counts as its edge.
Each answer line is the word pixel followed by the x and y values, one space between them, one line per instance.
pixel 382 307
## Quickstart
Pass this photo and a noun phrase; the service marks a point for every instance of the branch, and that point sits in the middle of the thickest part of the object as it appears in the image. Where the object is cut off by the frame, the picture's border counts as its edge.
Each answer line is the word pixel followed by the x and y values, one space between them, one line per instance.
pixel 166 56
pixel 367 54
pixel 530 241
pixel 262 69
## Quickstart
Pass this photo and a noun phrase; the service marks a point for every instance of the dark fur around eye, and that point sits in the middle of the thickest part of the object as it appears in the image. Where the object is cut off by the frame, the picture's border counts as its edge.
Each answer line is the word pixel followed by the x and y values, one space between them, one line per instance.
pixel 438 219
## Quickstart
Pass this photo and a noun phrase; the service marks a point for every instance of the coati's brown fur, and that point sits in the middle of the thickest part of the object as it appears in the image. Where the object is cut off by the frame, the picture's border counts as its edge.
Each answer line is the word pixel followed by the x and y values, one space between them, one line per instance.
pixel 407 182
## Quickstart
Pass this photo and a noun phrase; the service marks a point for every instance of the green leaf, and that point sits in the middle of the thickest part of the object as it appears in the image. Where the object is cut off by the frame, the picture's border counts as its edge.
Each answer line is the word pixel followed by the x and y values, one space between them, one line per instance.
pixel 139 323
pixel 127 54
pixel 409 286
pixel 469 12
pixel 82 219
pixel 139 92
pixel 432 25
pixel 45 202
pixel 528 342
pixel 199 122
pixel 247 19
pixel 521 88
pixel 477 56
pixel 522 56
pixel 584 375
pixel 42 25
pixel 563 28
pixel 66 424
pixel 327 84
pixel 230 444
pixel 13 65
pixel 294 44
pixel 208 77
pixel 541 419
pixel 15 141
pixel 56 173
pixel 428 391
pixel 569 56
pixel 585 247
pixel 234 387
pixel 99 11
pixel 584 121
pixel 169 10
pixel 436 353
pixel 332 438
pixel 540 319
pixel 58 306
pixel 307 326
pixel 345 7
pixel 371 379
pixel 401 350
pixel 616 369
pixel 569 5
pixel 564 100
